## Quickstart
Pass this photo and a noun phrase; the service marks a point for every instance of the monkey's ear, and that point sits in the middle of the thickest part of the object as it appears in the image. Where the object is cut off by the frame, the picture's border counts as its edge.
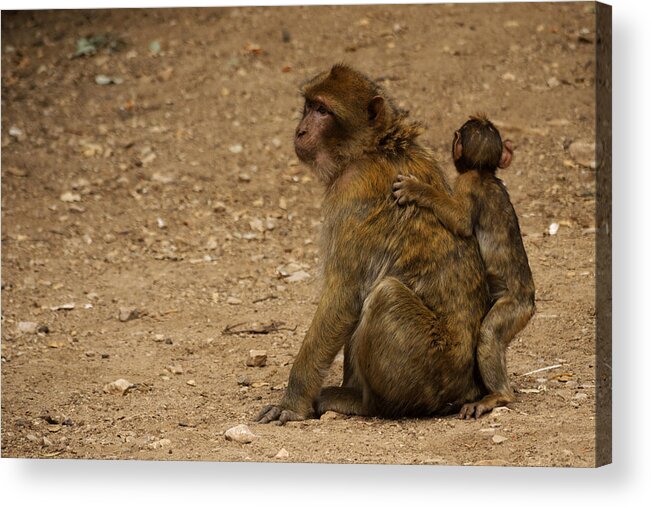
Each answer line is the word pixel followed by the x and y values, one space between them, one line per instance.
pixel 376 109
pixel 507 154
pixel 457 147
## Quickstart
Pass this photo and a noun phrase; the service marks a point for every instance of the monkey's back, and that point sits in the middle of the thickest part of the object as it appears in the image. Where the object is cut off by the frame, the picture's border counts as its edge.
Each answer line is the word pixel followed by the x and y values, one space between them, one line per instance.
pixel 370 237
pixel 500 241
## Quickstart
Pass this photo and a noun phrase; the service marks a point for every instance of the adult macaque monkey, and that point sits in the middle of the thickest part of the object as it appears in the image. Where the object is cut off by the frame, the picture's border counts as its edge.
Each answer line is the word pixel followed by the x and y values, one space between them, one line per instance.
pixel 401 294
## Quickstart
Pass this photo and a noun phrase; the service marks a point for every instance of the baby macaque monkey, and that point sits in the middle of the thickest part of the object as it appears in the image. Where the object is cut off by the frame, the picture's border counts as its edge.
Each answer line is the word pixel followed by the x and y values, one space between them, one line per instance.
pixel 480 205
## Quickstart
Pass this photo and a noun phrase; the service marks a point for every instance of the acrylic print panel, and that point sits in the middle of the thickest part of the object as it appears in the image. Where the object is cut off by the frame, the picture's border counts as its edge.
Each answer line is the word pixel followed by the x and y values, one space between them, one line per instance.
pixel 161 240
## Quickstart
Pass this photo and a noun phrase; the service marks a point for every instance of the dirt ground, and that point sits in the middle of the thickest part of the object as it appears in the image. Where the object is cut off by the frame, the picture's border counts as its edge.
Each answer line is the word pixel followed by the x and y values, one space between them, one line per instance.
pixel 174 190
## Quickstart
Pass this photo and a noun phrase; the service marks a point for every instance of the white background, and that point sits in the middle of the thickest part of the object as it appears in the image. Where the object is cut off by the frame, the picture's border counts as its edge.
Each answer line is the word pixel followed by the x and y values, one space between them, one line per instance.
pixel 625 482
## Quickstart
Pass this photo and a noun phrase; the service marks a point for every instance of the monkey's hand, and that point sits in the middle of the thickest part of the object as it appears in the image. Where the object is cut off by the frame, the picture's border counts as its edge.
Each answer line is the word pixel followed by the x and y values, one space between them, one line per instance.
pixel 278 413
pixel 407 189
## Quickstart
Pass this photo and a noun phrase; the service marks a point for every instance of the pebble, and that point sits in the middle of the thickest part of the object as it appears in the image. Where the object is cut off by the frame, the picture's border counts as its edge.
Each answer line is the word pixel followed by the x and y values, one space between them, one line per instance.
pixel 176 369
pixel 331 416
pixel 487 432
pixel 553 82
pixel 27 327
pixel 256 225
pixel 219 207
pixel 282 203
pixel 243 381
pixel 257 358
pixel 128 313
pixel 120 386
pixel 162 178
pixel 191 383
pixel 583 153
pixel 240 433
pixel 299 276
pixel 553 228
pixel 70 197
pixel 508 76
pixel 236 148
pixel 16 133
pixel 233 301
pixel 244 177
pixel 160 444
pixel 17 171
pixel 90 353
pixel 498 439
pixel 282 454
pixel 580 396
pixel 65 306
pixel 104 80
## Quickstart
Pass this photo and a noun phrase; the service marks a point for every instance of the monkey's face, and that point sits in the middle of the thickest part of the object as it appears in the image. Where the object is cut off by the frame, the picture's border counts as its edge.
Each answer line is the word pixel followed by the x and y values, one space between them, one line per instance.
pixel 317 137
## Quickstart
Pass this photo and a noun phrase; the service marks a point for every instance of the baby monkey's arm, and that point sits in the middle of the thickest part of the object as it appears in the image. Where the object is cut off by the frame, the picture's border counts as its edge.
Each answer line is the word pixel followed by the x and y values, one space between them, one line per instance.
pixel 457 212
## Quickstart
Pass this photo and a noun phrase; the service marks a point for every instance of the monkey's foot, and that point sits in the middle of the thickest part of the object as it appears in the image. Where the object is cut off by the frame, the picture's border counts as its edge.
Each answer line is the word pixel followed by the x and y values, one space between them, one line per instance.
pixel 275 413
pixel 474 410
pixel 486 404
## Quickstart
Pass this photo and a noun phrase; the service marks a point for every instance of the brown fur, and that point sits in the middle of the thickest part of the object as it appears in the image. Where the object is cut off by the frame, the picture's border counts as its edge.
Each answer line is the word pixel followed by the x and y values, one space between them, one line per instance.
pixel 480 206
pixel 402 295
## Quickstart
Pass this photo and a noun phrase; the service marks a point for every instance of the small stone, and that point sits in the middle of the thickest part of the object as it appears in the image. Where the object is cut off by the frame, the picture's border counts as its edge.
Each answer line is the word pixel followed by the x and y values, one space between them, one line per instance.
pixel 486 432
pixel 104 80
pixel 27 327
pixel 162 178
pixel 120 386
pixel 499 411
pixel 331 416
pixel 128 313
pixel 65 306
pixel 257 358
pixel 17 171
pixel 553 228
pixel 191 383
pixel 498 439
pixel 219 207
pixel 507 76
pixel 282 203
pixel 282 454
pixel 47 442
pixel 580 396
pixel 16 133
pixel 154 46
pixel 270 224
pixel 90 353
pixel 233 300
pixel 160 444
pixel 257 225
pixel 583 153
pixel 299 276
pixel 553 82
pixel 243 381
pixel 236 148
pixel 70 197
pixel 240 433
pixel 176 369
pixel 32 438
pixel 244 177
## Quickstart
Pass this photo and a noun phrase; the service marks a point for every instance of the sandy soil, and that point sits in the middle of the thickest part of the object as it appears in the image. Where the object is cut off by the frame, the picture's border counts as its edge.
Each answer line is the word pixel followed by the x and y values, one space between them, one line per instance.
pixel 176 191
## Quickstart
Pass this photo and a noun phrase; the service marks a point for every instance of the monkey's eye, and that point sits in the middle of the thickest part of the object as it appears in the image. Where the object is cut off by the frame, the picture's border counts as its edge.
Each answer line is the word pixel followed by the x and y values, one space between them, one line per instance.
pixel 322 109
